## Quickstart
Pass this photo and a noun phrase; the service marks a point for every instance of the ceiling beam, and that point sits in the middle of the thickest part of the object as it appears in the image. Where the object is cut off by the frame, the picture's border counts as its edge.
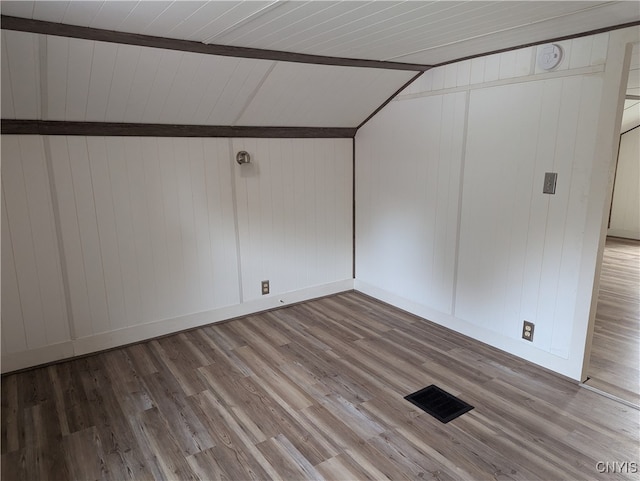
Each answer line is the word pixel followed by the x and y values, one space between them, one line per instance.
pixel 110 129
pixel 111 36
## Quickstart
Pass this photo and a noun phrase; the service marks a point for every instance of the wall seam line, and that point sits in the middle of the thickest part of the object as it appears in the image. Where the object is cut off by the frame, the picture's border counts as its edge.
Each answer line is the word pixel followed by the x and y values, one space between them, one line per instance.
pixel 44 112
pixel 254 93
pixel 56 216
pixel 234 201
pixel 454 291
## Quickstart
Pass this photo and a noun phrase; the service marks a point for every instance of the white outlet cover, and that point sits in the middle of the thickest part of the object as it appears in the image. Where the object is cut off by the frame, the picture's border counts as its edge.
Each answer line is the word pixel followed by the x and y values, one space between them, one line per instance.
pixel 549 56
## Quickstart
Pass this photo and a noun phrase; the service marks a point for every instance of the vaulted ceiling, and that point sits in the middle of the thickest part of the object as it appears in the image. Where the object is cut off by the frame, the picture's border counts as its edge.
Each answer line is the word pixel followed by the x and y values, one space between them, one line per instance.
pixel 51 77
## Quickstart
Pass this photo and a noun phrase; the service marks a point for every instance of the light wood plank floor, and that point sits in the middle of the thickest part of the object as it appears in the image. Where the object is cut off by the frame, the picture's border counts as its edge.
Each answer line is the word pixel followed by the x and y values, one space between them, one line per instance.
pixel 615 353
pixel 312 391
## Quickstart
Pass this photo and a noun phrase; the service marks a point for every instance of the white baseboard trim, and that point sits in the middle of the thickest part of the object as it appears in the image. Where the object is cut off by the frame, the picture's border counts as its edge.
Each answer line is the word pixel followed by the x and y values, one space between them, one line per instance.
pixel 625 234
pixel 107 340
pixel 33 357
pixel 520 348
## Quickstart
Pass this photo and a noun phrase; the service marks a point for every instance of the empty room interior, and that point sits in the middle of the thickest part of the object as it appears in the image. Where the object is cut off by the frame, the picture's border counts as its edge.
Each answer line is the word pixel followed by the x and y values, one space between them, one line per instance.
pixel 320 240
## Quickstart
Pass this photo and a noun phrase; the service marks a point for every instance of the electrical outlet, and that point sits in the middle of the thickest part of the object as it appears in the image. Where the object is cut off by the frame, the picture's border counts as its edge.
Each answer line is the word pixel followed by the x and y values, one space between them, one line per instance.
pixel 527 330
pixel 265 287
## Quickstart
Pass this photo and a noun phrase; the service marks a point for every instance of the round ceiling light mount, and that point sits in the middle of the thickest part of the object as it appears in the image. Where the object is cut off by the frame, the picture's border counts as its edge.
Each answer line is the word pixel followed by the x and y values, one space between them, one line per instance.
pixel 549 56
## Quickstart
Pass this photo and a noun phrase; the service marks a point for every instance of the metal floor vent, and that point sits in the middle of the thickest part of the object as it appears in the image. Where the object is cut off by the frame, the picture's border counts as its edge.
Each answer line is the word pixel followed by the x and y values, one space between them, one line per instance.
pixel 440 404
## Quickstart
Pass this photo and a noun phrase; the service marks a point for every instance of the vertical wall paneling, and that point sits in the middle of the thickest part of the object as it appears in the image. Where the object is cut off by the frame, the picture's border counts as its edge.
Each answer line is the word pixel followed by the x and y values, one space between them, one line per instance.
pixel 98 160
pixel 417 192
pixel 501 221
pixel 523 255
pixel 21 61
pixel 8 110
pixel 294 213
pixel 180 86
pixel 82 193
pixel 14 338
pixel 218 160
pixel 80 55
pixel 147 227
pixel 118 164
pixel 185 212
pixel 625 208
pixel 572 227
pixel 137 187
pixel 202 238
pixel 536 272
pixel 155 218
pixel 145 71
pixel 34 298
pixel 71 238
pixel 123 74
pixel 102 70
pixel 39 203
pixel 57 73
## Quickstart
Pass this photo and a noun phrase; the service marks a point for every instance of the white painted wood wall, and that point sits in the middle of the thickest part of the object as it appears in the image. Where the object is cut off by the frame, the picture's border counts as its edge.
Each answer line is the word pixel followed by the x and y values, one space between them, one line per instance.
pixel 59 78
pixel 625 208
pixel 451 221
pixel 156 235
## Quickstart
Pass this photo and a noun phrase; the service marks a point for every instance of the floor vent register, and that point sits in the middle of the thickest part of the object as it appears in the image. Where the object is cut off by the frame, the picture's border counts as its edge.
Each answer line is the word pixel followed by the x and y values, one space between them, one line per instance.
pixel 440 404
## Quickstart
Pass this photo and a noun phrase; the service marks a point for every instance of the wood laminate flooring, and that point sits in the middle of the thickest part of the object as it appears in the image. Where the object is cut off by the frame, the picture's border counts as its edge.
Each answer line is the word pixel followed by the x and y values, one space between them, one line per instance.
pixel 614 365
pixel 311 391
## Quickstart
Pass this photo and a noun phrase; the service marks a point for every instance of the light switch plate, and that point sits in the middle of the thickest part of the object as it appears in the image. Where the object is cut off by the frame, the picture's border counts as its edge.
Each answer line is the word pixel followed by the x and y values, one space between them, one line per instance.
pixel 550 179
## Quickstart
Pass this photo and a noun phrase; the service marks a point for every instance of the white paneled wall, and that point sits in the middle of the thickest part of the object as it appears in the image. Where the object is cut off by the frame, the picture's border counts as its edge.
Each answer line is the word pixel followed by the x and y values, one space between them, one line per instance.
pixel 33 301
pixel 106 82
pixel 519 248
pixel 450 175
pixel 588 53
pixel 157 233
pixel 294 213
pixel 20 76
pixel 59 78
pixel 408 207
pixel 147 228
pixel 307 95
pixel 625 208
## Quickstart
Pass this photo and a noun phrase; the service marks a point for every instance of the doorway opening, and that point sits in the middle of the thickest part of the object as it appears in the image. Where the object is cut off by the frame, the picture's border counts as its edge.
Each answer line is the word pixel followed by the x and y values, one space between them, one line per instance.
pixel 614 363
